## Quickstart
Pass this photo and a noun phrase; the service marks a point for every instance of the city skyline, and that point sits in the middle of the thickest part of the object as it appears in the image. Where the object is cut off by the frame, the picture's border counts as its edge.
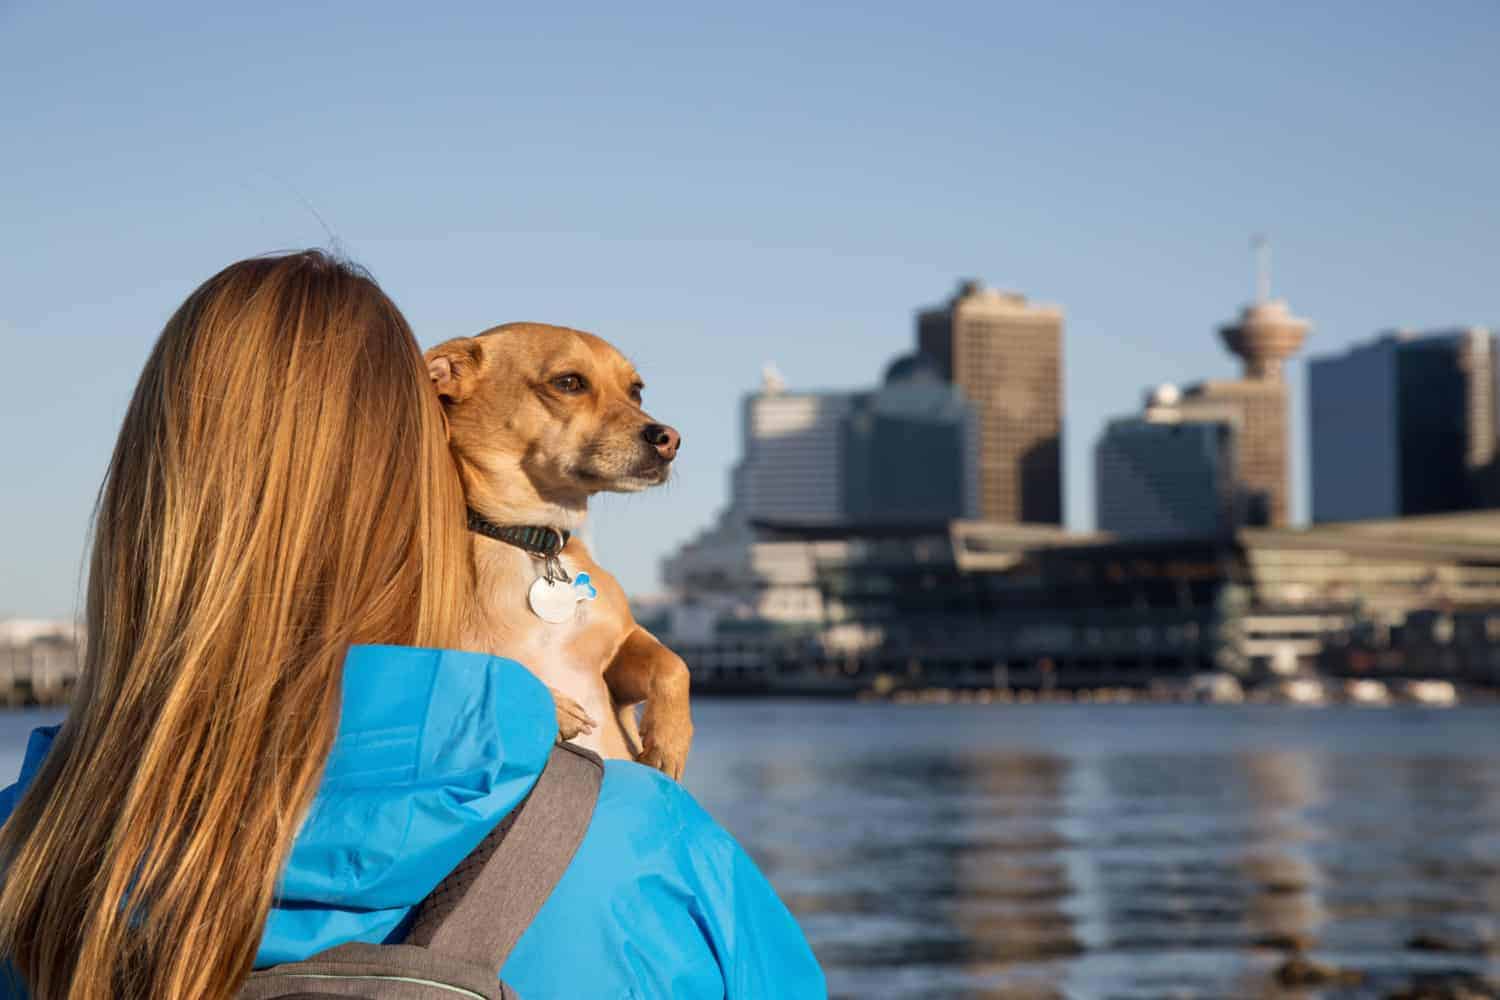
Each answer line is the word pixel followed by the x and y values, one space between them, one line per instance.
pixel 1299 428
pixel 715 192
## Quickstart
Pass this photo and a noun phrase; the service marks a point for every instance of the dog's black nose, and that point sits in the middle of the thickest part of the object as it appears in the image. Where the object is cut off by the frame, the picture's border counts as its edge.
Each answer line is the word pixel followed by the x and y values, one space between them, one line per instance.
pixel 664 439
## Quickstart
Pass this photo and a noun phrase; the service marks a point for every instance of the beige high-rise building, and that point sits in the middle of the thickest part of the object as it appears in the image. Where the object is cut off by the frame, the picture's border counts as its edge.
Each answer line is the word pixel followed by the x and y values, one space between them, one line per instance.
pixel 1005 354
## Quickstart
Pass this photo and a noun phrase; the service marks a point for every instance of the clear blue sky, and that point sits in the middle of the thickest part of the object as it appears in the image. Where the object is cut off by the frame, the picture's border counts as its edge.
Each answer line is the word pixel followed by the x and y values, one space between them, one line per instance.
pixel 716 186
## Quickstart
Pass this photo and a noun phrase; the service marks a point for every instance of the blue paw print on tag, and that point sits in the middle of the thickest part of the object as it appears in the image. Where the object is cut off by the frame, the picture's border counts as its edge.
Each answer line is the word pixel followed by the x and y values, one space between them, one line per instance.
pixel 583 590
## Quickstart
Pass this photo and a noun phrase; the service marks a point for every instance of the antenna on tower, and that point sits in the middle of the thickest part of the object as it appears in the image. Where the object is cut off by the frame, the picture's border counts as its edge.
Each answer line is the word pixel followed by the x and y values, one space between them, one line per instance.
pixel 1262 248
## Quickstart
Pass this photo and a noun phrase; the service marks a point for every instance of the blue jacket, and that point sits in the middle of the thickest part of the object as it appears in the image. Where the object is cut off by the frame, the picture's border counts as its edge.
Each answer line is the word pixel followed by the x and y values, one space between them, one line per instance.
pixel 433 748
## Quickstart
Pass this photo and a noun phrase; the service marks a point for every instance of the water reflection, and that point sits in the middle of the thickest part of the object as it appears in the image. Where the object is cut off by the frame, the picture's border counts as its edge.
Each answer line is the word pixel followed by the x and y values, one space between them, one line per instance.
pixel 936 851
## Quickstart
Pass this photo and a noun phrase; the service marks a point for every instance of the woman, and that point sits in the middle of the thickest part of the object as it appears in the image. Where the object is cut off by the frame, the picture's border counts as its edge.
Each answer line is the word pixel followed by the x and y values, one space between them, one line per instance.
pixel 262 760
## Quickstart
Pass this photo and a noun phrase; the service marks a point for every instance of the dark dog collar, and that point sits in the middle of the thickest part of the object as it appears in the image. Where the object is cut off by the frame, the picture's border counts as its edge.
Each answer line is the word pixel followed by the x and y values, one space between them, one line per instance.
pixel 540 540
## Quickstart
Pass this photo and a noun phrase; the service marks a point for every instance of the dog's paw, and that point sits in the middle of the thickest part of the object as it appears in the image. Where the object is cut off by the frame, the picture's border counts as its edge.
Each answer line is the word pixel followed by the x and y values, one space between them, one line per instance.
pixel 572 720
pixel 666 737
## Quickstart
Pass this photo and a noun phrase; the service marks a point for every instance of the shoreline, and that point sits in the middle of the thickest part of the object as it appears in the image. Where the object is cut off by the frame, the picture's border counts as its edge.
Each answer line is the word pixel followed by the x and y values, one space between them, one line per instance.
pixel 1442 695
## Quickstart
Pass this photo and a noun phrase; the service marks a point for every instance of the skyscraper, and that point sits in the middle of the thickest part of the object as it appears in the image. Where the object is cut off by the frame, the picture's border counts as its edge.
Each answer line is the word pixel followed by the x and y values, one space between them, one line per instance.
pixel 1005 354
pixel 1404 424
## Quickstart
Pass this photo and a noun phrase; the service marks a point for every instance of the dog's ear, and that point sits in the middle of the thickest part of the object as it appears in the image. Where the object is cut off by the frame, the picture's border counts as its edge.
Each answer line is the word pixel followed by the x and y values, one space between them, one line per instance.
pixel 454 367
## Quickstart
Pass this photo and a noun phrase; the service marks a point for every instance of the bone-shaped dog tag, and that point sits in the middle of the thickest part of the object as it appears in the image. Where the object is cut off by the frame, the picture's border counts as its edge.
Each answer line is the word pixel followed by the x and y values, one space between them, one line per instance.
pixel 552 602
pixel 558 602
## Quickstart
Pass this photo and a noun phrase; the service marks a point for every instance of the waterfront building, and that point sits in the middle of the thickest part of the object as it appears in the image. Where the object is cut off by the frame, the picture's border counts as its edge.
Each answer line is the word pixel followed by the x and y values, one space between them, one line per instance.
pixel 1171 472
pixel 728 576
pixel 24 631
pixel 39 660
pixel 1005 354
pixel 1404 424
pixel 984 605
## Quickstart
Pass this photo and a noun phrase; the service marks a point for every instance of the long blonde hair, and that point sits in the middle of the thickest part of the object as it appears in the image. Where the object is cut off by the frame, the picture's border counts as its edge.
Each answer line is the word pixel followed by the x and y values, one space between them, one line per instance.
pixel 281 489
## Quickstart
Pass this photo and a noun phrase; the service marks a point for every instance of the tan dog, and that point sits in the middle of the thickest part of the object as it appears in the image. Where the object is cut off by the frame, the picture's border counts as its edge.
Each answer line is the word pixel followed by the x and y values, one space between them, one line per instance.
pixel 541 418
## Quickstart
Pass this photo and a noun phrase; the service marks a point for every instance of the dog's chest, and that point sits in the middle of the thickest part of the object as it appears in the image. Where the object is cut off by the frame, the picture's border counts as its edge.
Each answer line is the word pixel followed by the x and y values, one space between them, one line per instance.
pixel 576 624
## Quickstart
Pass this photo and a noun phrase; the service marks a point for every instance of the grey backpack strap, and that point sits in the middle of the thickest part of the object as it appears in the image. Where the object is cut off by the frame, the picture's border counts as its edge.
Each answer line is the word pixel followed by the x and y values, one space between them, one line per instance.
pixel 482 908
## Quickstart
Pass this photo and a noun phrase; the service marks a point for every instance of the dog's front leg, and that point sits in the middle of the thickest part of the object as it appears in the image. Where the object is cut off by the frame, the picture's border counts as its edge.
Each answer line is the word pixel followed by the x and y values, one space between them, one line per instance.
pixel 645 670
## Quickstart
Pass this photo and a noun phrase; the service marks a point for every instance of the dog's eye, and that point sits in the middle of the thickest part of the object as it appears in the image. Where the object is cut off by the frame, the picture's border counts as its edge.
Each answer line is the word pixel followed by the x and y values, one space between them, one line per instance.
pixel 635 392
pixel 569 383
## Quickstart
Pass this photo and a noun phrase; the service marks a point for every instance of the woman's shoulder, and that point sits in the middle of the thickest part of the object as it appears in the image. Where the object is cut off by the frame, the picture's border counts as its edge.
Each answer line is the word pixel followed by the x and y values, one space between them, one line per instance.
pixel 650 826
pixel 643 795
pixel 671 902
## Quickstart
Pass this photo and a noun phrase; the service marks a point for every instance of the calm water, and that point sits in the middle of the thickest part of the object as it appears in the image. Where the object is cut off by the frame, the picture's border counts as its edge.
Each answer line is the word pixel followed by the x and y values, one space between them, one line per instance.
pixel 1112 851
pixel 1107 851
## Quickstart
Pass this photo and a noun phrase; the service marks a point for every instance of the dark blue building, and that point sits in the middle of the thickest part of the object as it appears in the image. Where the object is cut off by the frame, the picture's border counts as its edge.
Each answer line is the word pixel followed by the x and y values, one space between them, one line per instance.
pixel 1403 425
pixel 910 449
